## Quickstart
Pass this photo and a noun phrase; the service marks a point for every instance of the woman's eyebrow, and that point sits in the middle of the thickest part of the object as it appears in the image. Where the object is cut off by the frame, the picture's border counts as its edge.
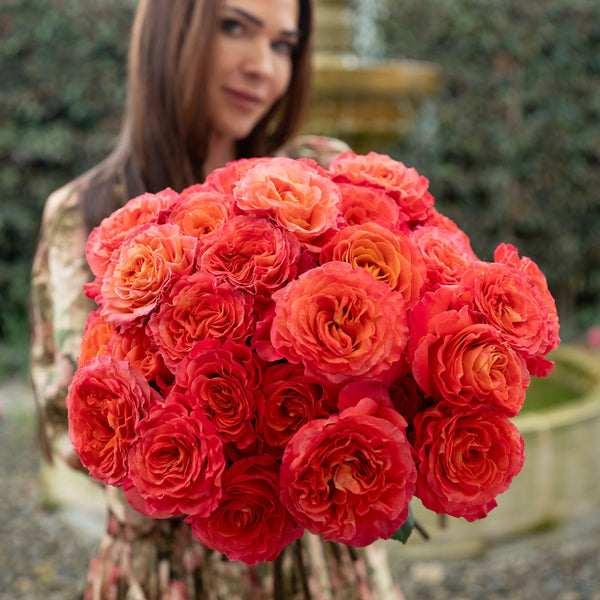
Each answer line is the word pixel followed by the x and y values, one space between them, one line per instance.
pixel 259 23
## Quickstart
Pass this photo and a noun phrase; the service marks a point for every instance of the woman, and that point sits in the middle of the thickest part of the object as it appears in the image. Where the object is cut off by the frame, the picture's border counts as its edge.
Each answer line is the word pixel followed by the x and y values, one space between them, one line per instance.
pixel 209 81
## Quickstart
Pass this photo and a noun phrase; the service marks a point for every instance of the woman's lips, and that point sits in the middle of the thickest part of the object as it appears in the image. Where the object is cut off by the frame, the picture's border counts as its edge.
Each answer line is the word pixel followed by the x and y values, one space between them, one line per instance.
pixel 243 100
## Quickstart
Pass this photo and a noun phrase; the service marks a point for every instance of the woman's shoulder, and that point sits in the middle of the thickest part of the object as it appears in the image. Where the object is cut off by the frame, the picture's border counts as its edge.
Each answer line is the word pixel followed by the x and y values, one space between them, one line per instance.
pixel 322 149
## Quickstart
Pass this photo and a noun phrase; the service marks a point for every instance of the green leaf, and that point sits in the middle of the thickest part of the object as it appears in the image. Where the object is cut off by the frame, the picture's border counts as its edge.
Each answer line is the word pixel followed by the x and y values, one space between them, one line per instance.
pixel 405 530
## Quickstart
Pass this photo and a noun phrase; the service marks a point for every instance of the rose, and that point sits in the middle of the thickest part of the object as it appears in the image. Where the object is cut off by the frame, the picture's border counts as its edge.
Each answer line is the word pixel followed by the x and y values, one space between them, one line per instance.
pixel 447 254
pixel 177 464
pixel 291 400
pixel 250 522
pixel 108 236
pixel 96 336
pixel 224 378
pixel 137 348
pixel 507 254
pixel 464 363
pixel 105 402
pixel 141 270
pixel 407 397
pixel 404 184
pixel 505 296
pixel 201 211
pixel 252 254
pixel 464 459
pixel 349 477
pixel 340 322
pixel 364 204
pixel 199 307
pixel 225 178
pixel 390 256
pixel 294 194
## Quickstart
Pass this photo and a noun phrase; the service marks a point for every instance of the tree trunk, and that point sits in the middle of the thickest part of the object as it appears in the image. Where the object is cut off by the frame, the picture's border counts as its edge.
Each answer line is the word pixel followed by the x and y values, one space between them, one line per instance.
pixel 147 559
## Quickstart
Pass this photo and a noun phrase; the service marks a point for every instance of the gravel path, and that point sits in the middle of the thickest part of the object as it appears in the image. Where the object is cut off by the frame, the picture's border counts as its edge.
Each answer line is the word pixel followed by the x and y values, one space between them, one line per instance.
pixel 42 557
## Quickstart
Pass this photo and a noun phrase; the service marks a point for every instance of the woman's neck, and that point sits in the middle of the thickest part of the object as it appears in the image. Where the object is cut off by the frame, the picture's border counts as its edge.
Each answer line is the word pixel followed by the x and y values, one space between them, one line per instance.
pixel 221 150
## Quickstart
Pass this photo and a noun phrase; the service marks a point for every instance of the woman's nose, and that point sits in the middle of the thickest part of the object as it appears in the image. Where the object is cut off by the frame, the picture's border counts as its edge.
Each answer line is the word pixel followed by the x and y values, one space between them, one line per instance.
pixel 259 60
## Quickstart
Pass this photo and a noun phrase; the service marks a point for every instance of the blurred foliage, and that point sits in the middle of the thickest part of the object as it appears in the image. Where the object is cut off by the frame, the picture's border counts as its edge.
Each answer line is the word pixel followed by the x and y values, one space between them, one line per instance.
pixel 63 65
pixel 512 145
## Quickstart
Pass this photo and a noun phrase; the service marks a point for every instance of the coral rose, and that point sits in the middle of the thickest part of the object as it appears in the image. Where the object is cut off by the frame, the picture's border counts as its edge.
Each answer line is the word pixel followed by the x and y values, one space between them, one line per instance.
pixel 464 460
pixel 291 400
pixel 364 204
pixel 250 523
pixel 225 178
pixel 252 254
pixel 447 254
pixel 404 184
pixel 105 402
pixel 340 322
pixel 114 229
pixel 96 336
pixel 141 271
pixel 295 195
pixel 349 477
pixel 201 211
pixel 224 378
pixel 466 363
pixel 199 307
pixel 506 296
pixel 391 257
pixel 177 464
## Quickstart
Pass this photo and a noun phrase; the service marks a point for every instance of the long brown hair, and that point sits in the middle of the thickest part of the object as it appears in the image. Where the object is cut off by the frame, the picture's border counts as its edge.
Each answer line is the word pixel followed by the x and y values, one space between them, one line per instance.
pixel 164 137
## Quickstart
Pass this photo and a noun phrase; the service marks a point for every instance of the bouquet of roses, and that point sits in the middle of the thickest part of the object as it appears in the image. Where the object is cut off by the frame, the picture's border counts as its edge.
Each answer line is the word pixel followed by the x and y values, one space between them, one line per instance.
pixel 285 347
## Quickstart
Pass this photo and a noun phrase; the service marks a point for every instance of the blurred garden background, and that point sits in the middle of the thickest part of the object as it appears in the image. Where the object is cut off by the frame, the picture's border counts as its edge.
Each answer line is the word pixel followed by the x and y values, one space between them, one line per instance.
pixel 510 142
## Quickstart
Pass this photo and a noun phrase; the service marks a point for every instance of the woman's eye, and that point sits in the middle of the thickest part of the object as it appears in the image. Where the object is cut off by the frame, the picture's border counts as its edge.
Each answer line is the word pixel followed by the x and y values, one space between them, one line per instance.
pixel 231 26
pixel 283 47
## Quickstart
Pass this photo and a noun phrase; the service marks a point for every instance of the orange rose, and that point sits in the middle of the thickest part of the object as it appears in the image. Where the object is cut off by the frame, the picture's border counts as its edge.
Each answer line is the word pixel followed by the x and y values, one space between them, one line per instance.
pixel 391 257
pixel 108 236
pixel 201 211
pixel 141 271
pixel 404 184
pixel 295 195
pixel 464 460
pixel 340 322
pixel 96 336
pixel 224 179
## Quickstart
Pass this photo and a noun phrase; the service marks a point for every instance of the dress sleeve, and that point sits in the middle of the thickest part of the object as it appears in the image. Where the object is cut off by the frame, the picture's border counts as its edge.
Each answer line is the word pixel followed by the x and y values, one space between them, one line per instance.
pixel 59 311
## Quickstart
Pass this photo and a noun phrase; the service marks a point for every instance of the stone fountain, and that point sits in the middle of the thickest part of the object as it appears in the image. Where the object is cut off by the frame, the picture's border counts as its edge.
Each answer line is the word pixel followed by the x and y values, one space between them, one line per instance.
pixel 367 101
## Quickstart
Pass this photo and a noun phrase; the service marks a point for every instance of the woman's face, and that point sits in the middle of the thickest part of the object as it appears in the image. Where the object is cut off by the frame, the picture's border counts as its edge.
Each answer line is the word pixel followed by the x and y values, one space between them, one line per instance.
pixel 252 62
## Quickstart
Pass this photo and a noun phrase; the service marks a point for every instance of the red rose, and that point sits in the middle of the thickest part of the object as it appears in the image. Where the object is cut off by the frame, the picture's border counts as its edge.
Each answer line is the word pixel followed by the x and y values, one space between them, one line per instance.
pixel 137 348
pixel 252 254
pixel 465 363
pixel 201 211
pixel 340 322
pixel 177 464
pixel 447 254
pixel 404 184
pixel 108 236
pixel 291 400
pixel 407 397
pixel 464 460
pixel 365 204
pixel 250 522
pixel 295 195
pixel 199 307
pixel 349 477
pixel 506 297
pixel 105 402
pixel 224 379
pixel 141 271
pixel 391 257
pixel 507 254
